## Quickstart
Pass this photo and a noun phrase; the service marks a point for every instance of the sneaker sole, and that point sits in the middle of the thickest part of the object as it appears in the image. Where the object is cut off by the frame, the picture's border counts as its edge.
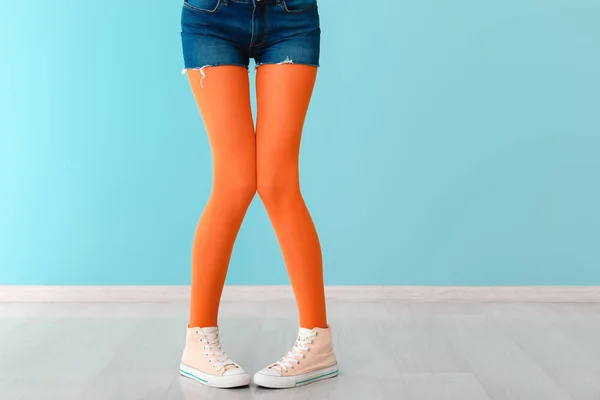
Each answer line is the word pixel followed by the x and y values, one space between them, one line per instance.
pixel 284 382
pixel 217 381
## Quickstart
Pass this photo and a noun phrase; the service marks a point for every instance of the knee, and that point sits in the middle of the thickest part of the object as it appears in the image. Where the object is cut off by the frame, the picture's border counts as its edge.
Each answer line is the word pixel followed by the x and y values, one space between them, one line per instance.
pixel 236 191
pixel 276 191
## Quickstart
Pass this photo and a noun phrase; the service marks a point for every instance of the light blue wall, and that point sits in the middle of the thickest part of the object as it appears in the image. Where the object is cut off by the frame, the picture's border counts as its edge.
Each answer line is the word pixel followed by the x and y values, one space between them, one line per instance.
pixel 448 143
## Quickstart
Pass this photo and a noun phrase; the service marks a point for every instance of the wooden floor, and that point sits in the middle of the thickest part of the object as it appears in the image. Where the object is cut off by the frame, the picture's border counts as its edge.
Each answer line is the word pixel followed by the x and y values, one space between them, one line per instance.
pixel 385 350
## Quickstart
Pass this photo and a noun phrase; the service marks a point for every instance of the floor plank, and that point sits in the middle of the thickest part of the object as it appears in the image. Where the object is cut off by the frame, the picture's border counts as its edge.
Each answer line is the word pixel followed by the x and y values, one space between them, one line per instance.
pixel 443 386
pixel 555 341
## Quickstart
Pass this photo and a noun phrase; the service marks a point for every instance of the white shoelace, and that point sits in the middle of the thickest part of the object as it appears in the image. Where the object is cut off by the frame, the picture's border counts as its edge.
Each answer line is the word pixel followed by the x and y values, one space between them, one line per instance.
pixel 294 356
pixel 213 344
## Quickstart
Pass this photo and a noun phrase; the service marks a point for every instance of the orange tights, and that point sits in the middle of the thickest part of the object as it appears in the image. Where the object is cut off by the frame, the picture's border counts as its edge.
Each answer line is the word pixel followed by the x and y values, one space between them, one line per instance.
pixel 245 162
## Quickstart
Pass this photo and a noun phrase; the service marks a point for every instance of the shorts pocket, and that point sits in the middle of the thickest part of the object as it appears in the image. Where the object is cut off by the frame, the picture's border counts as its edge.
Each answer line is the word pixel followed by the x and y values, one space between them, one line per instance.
pixel 299 6
pixel 208 6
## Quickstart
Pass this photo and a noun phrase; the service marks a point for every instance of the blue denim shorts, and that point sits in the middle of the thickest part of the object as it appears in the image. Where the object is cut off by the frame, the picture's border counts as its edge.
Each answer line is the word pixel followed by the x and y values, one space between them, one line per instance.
pixel 230 32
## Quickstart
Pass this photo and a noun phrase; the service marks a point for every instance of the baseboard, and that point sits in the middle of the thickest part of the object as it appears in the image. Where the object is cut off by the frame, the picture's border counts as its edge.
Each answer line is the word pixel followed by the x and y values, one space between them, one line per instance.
pixel 427 294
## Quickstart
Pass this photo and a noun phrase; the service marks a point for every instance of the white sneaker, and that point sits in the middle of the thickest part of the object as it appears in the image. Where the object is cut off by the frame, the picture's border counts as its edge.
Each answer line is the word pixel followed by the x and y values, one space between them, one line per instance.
pixel 310 360
pixel 205 361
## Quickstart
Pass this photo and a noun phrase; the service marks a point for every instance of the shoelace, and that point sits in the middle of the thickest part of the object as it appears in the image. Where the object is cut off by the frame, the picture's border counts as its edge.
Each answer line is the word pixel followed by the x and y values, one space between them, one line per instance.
pixel 213 344
pixel 291 358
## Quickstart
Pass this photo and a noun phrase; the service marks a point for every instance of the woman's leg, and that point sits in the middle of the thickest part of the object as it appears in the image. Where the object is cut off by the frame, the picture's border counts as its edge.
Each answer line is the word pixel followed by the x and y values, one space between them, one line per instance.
pixel 223 97
pixel 283 94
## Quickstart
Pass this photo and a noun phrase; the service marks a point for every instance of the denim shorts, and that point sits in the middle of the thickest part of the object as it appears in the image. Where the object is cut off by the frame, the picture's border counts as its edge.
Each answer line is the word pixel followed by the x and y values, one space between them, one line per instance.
pixel 230 32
